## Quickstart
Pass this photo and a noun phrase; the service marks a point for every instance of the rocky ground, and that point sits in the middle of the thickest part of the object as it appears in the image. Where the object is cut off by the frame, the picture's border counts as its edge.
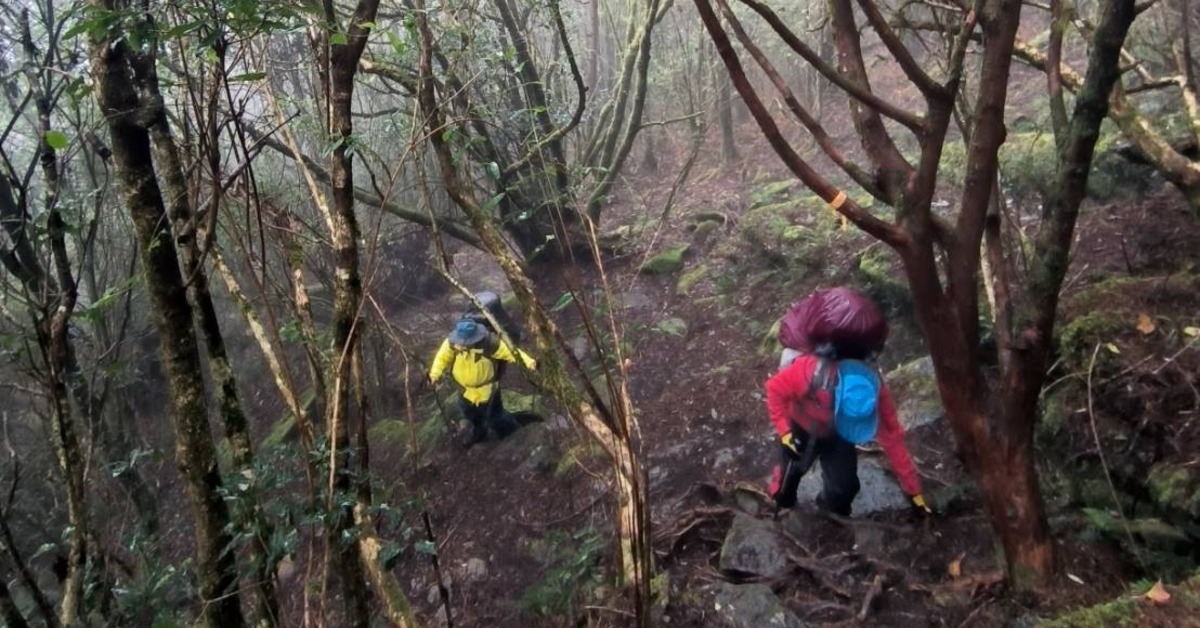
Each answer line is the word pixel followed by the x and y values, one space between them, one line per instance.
pixel 523 526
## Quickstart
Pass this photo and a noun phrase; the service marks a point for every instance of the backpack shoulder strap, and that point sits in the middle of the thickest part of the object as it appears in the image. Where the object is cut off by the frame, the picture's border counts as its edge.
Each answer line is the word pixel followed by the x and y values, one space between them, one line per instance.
pixel 824 377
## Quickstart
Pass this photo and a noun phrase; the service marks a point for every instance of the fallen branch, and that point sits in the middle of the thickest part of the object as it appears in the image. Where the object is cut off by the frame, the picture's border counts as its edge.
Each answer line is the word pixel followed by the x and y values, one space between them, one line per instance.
pixel 686 523
pixel 872 593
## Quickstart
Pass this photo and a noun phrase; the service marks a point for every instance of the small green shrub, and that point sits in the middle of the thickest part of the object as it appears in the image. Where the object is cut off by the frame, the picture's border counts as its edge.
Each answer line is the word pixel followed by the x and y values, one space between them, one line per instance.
pixel 572 572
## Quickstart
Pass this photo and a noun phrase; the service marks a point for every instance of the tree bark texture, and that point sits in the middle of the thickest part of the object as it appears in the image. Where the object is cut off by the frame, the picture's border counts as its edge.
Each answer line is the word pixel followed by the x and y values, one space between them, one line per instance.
pixel 185 226
pixel 194 448
pixel 348 485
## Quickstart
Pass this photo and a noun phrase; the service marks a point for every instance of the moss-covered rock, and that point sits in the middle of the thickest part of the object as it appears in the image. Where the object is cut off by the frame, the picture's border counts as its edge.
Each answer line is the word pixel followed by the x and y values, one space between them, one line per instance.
pixel 689 279
pixel 703 217
pixel 914 387
pixel 701 231
pixel 1077 338
pixel 783 232
pixel 618 240
pixel 1175 487
pixel 673 326
pixel 772 192
pixel 666 262
pixel 1154 532
pixel 521 402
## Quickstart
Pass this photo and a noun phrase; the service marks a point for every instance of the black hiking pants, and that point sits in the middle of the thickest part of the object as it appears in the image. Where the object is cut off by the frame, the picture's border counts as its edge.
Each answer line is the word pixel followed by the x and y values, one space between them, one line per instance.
pixel 489 414
pixel 839 474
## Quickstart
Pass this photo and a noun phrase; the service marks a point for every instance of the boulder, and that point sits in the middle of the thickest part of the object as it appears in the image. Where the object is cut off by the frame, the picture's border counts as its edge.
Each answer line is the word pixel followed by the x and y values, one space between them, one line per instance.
pixel 476 569
pixel 914 388
pixel 667 262
pixel 879 491
pixel 753 547
pixel 753 606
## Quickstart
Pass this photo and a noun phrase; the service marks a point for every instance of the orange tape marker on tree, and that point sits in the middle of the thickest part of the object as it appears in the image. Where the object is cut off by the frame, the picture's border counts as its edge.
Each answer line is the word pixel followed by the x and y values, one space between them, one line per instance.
pixel 839 199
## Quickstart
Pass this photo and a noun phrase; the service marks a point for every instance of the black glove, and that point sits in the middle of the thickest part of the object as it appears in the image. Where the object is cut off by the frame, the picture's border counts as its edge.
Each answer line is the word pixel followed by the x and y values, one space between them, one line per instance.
pixel 427 383
pixel 797 453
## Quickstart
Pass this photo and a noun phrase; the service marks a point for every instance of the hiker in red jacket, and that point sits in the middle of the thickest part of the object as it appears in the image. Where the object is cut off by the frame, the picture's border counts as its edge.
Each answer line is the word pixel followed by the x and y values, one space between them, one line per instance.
pixel 803 422
pixel 830 398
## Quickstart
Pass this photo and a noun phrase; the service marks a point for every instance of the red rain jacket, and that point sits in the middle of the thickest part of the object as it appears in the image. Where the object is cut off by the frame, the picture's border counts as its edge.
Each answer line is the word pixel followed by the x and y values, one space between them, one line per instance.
pixel 787 394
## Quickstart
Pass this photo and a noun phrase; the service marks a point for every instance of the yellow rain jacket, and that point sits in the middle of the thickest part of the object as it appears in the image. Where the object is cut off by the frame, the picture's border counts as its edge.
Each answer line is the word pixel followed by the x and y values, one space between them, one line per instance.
pixel 473 369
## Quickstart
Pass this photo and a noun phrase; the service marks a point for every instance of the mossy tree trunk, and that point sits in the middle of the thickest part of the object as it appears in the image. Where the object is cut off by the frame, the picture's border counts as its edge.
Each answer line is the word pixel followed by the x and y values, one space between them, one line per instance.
pixel 349 487
pixel 57 297
pixel 216 568
pixel 187 233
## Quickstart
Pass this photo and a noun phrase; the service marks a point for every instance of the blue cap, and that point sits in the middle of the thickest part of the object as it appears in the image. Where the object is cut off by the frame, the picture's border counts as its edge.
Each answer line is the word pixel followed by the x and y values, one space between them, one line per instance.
pixel 467 332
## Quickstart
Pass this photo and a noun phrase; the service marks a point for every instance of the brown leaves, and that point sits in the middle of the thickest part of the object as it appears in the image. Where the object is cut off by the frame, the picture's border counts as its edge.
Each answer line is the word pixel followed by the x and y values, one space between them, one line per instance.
pixel 954 569
pixel 1158 593
pixel 1145 324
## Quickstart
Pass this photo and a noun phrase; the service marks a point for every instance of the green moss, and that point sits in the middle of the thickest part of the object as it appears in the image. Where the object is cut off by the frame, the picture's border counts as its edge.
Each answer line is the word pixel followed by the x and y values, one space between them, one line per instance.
pixel 1077 338
pixel 283 431
pixel 1126 610
pixel 703 217
pixel 784 233
pixel 1175 487
pixel 672 326
pixel 666 262
pixel 1055 412
pixel 1028 161
pixel 391 433
pixel 953 163
pixel 689 279
pixel 1119 612
pixel 769 344
pixel 520 402
pixel 876 269
pixel 618 240
pixel 772 192
pixel 703 229
pixel 914 387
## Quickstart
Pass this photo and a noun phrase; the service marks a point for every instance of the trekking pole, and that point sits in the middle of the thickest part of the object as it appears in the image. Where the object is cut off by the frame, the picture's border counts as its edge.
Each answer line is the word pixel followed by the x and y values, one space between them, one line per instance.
pixel 443 593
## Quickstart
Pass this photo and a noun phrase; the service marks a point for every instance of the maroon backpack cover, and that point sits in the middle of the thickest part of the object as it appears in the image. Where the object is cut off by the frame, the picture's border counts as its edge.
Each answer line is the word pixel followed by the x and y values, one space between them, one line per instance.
pixel 846 319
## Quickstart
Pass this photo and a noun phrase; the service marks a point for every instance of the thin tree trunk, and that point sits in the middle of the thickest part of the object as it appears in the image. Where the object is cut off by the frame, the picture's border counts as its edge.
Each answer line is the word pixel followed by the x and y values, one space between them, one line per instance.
pixel 347 401
pixel 184 223
pixel 195 451
pixel 58 305
pixel 725 98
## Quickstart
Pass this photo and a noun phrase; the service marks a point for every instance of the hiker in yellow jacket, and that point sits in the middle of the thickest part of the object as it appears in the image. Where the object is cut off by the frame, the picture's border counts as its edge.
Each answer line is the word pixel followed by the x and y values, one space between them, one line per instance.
pixel 474 355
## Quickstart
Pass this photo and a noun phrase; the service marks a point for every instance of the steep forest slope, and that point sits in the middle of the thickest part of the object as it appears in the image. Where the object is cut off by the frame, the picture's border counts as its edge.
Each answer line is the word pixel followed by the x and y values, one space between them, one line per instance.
pixel 524 524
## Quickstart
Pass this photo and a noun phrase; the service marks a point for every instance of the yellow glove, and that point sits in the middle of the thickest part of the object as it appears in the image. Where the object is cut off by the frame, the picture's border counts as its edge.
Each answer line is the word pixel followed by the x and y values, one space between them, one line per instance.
pixel 794 443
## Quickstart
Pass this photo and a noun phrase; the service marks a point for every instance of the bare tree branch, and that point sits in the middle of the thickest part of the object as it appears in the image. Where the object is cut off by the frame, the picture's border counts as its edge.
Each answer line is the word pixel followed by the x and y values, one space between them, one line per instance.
pixel 827 144
pixel 885 231
pixel 909 120
pixel 929 87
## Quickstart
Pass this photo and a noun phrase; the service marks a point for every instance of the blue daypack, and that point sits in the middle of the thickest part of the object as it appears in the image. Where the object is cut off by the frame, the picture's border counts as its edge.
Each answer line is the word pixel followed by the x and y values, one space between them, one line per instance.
pixel 855 401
